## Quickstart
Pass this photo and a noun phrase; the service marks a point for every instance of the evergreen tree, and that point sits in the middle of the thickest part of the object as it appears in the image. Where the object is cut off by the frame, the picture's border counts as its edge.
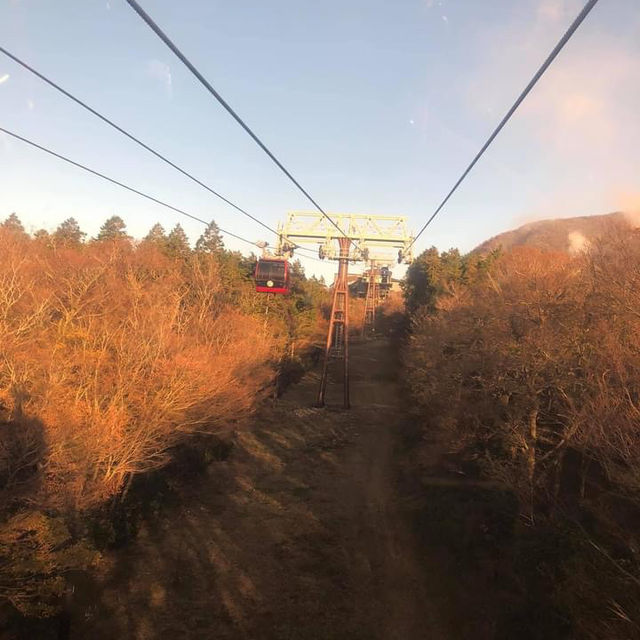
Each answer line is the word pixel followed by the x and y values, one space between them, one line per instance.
pixel 177 242
pixel 433 275
pixel 68 234
pixel 211 240
pixel 421 285
pixel 13 224
pixel 113 229
pixel 156 236
pixel 297 270
pixel 43 237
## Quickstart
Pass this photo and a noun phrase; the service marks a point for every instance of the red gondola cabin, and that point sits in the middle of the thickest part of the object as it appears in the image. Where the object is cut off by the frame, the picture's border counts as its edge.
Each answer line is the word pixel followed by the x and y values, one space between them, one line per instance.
pixel 272 275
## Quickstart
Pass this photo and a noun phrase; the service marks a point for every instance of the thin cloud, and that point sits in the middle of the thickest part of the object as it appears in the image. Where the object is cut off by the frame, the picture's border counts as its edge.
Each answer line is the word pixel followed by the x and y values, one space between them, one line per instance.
pixel 629 203
pixel 550 10
pixel 583 102
pixel 556 10
pixel 5 141
pixel 578 128
pixel 577 242
pixel 162 72
pixel 587 97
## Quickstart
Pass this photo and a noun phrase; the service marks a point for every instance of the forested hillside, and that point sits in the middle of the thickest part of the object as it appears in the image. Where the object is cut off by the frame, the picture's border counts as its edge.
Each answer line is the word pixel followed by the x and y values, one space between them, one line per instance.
pixel 517 444
pixel 113 354
pixel 560 234
pixel 526 364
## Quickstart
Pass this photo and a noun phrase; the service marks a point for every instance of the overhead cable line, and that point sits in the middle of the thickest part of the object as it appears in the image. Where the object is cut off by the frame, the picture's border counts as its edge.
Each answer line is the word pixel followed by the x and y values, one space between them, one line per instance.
pixel 128 188
pixel 551 57
pixel 120 184
pixel 102 117
pixel 165 38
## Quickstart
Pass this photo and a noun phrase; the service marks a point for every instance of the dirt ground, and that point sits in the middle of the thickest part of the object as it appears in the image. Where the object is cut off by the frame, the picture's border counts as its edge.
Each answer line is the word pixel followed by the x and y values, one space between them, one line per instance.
pixel 306 531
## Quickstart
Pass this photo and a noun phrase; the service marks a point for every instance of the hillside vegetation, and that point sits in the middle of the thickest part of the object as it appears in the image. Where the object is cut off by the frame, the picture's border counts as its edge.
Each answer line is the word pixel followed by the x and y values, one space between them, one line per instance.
pixel 113 354
pixel 569 235
pixel 527 363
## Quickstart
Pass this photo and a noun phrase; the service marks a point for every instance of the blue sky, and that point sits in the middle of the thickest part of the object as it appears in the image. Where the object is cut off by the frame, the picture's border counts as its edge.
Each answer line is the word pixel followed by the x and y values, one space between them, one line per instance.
pixel 375 106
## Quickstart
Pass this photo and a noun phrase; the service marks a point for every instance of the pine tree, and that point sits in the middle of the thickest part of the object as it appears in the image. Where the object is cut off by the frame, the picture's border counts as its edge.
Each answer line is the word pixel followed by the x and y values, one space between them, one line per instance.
pixel 113 229
pixel 422 282
pixel 297 270
pixel 156 236
pixel 177 242
pixel 69 234
pixel 44 238
pixel 13 224
pixel 211 240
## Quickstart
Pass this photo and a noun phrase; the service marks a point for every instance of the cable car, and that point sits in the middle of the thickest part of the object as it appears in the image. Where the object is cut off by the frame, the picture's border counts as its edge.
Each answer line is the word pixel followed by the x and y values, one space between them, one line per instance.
pixel 272 275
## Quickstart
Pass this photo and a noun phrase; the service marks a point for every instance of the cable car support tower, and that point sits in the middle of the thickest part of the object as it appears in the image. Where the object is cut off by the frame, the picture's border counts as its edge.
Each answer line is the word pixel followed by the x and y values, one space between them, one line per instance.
pixel 345 237
pixel 371 300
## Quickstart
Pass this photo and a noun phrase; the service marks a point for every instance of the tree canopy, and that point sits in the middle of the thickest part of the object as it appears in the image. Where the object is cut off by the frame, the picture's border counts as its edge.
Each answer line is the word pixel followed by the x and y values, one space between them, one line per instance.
pixel 113 229
pixel 177 244
pixel 13 224
pixel 156 235
pixel 211 240
pixel 69 233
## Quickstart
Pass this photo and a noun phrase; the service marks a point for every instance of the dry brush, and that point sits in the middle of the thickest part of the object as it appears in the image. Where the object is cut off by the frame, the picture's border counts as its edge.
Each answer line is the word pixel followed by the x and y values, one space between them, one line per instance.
pixel 111 355
pixel 533 371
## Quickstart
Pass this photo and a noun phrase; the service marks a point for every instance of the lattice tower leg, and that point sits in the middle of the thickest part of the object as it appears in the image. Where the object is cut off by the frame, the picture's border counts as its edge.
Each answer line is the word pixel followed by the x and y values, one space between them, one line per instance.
pixel 370 301
pixel 338 335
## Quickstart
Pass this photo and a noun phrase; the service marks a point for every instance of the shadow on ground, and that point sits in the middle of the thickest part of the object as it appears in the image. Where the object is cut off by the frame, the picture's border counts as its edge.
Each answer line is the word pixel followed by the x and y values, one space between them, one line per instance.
pixel 310 529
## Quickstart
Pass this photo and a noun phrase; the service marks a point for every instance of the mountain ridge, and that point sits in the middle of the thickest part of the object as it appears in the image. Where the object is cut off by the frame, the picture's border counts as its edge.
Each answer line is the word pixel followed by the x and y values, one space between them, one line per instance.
pixel 557 234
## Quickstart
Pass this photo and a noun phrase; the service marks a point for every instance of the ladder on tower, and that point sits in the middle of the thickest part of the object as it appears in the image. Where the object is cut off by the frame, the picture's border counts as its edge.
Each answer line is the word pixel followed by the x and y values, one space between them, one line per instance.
pixel 372 299
pixel 338 335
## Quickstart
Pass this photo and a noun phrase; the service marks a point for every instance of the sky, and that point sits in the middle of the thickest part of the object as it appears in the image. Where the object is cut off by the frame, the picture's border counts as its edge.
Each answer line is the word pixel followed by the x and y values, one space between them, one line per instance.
pixel 375 107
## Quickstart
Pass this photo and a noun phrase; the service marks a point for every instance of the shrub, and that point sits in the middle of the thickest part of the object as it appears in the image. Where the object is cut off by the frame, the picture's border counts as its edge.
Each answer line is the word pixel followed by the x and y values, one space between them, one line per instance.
pixel 113 355
pixel 533 369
